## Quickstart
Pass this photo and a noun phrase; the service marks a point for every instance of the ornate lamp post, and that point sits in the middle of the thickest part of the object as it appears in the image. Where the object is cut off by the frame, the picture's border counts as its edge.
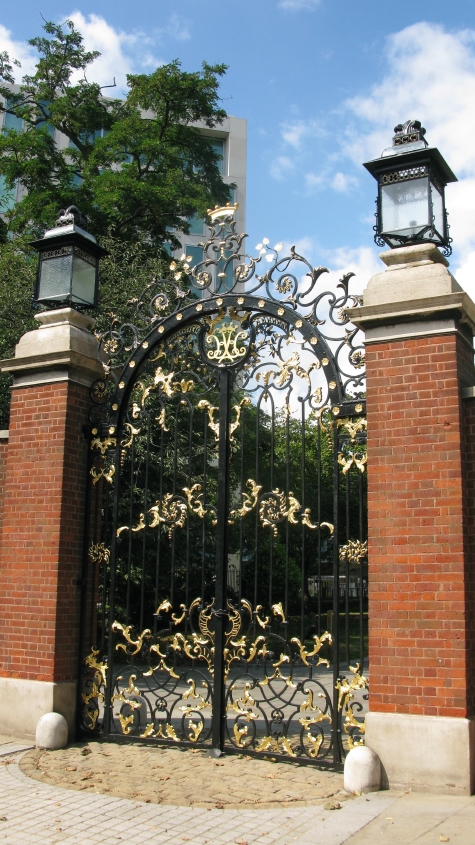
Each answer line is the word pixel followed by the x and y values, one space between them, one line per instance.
pixel 411 179
pixel 68 264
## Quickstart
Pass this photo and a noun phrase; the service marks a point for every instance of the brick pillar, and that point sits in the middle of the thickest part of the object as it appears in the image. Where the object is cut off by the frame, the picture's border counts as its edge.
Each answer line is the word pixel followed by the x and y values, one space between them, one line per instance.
pixel 43 519
pixel 419 328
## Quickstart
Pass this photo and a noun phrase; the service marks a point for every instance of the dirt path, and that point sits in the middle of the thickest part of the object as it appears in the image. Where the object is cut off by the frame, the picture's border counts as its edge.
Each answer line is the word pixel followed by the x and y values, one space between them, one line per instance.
pixel 188 777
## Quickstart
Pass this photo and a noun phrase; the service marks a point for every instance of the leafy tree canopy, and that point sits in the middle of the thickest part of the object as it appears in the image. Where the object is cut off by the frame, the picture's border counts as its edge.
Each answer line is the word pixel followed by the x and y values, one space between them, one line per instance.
pixel 136 167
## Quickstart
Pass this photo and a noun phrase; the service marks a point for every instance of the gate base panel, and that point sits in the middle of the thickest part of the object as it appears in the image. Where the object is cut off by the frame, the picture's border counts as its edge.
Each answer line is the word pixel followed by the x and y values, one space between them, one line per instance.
pixel 424 753
pixel 23 702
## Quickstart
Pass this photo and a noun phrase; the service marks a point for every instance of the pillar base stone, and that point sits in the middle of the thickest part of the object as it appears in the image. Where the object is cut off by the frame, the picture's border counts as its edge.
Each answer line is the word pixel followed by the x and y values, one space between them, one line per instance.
pixel 23 702
pixel 424 753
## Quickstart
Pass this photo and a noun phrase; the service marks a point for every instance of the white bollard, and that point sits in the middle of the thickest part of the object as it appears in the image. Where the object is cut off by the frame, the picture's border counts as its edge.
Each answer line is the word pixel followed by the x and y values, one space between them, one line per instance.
pixel 362 771
pixel 52 731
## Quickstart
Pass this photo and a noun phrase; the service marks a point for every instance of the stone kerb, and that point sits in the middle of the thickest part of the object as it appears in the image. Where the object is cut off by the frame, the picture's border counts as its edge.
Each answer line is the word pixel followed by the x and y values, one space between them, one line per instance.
pixel 43 519
pixel 419 328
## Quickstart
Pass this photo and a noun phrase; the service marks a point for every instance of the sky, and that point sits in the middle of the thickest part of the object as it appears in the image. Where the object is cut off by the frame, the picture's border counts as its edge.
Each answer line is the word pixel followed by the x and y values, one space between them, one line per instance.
pixel 322 83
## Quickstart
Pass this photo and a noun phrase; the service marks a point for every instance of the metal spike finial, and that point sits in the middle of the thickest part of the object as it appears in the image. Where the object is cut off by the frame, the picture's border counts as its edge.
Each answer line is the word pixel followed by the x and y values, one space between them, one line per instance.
pixel 72 215
pixel 408 133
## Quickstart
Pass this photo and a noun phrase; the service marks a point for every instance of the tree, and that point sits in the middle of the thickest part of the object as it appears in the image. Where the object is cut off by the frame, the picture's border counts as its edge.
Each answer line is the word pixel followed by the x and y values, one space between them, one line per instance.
pixel 138 168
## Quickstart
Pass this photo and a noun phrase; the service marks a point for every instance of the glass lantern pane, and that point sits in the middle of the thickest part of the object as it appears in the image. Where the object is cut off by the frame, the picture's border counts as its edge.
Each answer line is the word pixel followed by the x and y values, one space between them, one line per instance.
pixel 437 210
pixel 84 281
pixel 405 206
pixel 55 278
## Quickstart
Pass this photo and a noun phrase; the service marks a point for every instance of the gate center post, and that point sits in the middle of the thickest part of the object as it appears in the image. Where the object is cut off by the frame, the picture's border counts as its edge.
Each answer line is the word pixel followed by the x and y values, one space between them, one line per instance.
pixel 220 615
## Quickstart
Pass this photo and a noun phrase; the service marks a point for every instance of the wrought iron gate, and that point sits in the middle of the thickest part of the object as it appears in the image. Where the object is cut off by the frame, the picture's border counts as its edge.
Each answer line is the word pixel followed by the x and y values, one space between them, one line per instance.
pixel 226 574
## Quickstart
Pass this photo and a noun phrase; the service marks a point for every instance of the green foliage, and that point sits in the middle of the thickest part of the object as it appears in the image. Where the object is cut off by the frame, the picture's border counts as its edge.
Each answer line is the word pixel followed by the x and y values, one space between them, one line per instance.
pixel 136 167
pixel 17 277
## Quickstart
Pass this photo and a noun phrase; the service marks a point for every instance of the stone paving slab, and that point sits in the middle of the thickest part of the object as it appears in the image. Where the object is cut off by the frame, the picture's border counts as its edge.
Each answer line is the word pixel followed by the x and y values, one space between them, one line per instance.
pixel 35 812
pixel 423 818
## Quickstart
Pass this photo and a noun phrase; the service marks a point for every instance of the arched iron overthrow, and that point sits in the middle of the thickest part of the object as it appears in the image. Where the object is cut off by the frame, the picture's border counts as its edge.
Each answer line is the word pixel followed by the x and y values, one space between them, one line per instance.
pixel 227 560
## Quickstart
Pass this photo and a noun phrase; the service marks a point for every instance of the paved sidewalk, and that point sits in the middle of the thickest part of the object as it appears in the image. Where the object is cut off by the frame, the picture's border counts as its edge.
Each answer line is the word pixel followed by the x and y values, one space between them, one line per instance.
pixel 36 813
pixel 33 813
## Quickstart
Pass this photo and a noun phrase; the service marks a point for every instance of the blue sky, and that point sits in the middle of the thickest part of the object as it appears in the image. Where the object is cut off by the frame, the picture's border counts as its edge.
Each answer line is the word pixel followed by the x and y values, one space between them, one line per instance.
pixel 321 83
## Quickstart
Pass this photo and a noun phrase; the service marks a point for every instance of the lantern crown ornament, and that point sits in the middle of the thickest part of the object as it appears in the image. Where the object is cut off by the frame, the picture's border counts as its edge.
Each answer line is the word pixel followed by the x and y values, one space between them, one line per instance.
pixel 68 267
pixel 411 177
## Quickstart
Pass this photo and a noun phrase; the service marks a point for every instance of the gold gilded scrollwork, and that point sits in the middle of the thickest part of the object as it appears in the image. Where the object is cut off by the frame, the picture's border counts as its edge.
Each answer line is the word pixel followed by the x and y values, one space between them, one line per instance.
pixel 99 668
pixel 204 405
pixel 99 553
pixel 249 501
pixel 271 743
pixel 319 641
pixel 346 689
pixel 107 469
pixel 95 693
pixel 277 508
pixel 194 499
pixel 165 731
pixel 194 730
pixel 246 402
pixel 354 454
pixel 125 631
pixel 354 551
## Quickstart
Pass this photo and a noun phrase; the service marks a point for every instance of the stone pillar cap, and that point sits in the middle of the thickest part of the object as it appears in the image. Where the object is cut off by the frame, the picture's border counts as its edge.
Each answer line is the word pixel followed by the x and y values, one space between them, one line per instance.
pixel 62 316
pixel 412 256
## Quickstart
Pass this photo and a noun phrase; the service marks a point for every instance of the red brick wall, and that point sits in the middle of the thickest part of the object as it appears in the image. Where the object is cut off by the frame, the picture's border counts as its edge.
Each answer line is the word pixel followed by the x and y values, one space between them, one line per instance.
pixel 3 459
pixel 43 531
pixel 470 525
pixel 418 567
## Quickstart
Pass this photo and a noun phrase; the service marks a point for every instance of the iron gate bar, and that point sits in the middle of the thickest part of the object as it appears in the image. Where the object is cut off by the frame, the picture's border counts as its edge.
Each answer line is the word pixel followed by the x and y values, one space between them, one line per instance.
pixel 220 612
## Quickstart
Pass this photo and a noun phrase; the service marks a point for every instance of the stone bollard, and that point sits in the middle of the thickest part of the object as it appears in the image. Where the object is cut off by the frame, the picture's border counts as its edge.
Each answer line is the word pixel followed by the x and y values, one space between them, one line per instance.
pixel 362 771
pixel 52 731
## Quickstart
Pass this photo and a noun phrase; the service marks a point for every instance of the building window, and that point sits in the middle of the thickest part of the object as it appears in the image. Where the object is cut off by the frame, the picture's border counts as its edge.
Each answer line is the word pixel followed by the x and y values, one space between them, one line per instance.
pixel 218 147
pixel 194 253
pixel 7 197
pixel 11 121
pixel 197 225
pixel 224 274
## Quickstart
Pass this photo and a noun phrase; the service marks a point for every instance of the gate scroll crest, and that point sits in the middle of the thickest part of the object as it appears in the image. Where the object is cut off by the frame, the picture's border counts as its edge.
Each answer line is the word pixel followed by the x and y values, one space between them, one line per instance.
pixel 228 461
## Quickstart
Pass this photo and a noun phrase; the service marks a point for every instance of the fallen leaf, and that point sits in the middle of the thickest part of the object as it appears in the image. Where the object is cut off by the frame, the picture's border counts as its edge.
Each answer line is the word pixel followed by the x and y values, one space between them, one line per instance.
pixel 71 768
pixel 332 805
pixel 86 751
pixel 444 839
pixel 3 819
pixel 185 838
pixel 219 764
pixel 271 776
pixel 241 842
pixel 165 777
pixel 219 806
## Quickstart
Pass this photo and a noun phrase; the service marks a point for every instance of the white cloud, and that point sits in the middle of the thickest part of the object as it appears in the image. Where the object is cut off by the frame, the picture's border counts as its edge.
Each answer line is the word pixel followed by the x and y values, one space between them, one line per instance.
pixel 362 261
pixel 19 50
pixel 121 52
pixel 342 182
pixel 465 274
pixel 294 133
pixel 177 28
pixel 281 167
pixel 430 77
pixel 339 182
pixel 297 5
